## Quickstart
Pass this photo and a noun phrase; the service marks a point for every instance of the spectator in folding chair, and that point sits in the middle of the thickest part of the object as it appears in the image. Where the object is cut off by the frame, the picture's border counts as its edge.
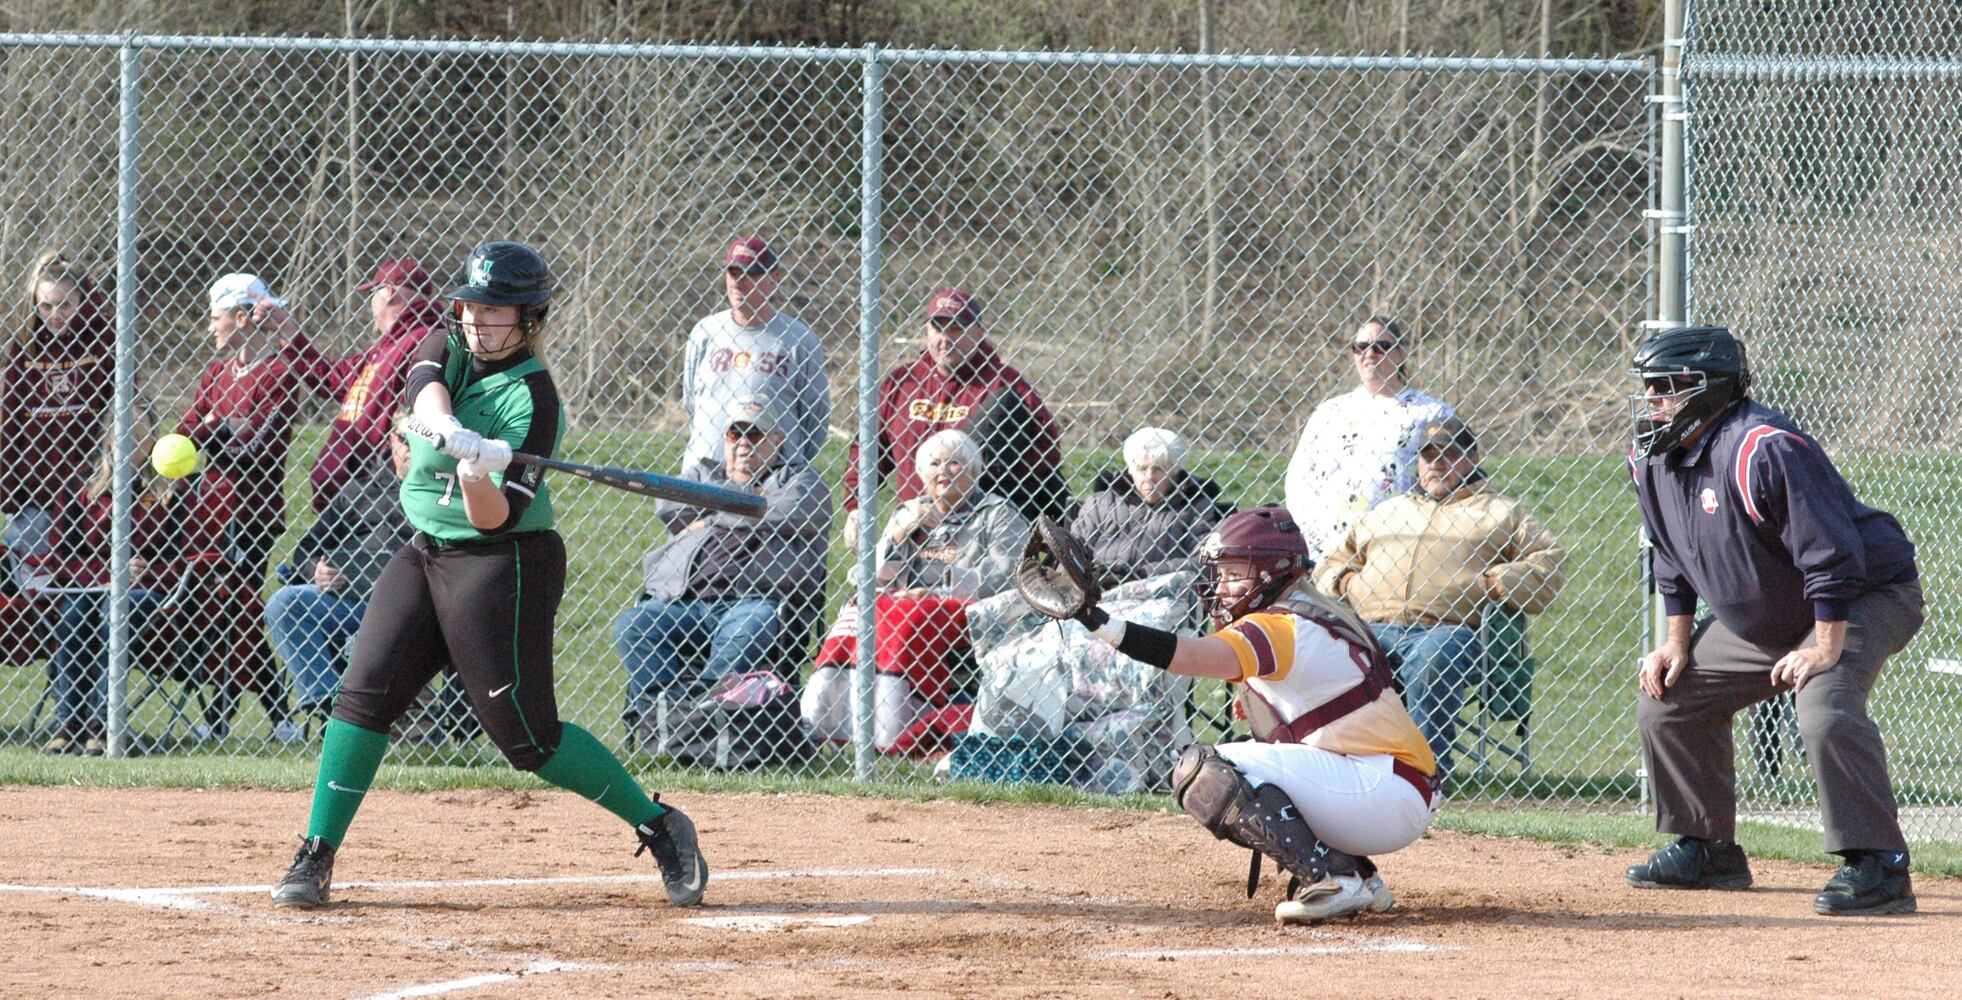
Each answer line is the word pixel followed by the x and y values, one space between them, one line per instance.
pixel 1422 568
pixel 951 545
pixel 1148 519
pixel 54 387
pixel 241 419
pixel 714 596
pixel 339 558
pixel 76 568
pixel 960 382
pixel 366 385
pixel 1360 448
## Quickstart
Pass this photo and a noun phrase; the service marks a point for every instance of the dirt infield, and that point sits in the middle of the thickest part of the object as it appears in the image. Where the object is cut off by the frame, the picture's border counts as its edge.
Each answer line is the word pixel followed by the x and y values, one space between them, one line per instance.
pixel 115 893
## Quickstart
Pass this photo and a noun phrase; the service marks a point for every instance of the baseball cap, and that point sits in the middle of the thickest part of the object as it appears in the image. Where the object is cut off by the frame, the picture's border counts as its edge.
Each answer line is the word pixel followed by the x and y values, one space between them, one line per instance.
pixel 954 304
pixel 751 255
pixel 757 411
pixel 400 272
pixel 241 291
pixel 1449 434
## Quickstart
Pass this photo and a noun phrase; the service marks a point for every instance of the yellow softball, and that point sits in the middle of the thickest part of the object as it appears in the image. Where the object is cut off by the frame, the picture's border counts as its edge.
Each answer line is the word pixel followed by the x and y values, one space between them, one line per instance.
pixel 174 456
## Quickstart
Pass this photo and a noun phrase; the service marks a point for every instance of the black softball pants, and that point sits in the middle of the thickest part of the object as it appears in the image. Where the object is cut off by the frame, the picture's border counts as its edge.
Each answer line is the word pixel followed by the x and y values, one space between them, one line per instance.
pixel 488 609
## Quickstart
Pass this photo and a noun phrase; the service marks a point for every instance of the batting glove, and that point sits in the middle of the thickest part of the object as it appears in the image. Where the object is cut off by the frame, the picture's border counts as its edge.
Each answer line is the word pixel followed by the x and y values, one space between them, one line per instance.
pixel 493 456
pixel 462 444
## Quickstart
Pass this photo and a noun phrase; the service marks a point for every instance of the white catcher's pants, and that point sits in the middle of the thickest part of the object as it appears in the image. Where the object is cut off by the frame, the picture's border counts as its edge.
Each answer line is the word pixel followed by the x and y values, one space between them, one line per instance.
pixel 1354 804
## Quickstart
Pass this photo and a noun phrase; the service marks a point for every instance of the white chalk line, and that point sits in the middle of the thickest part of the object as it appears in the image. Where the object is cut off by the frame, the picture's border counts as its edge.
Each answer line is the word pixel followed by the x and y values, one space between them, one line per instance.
pixel 761 922
pixel 1360 947
pixel 538 968
pixel 183 897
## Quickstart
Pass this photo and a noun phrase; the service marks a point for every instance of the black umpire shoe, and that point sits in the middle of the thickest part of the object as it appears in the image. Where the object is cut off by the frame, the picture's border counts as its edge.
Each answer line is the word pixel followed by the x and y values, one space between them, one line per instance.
pixel 1870 882
pixel 1693 863
pixel 306 883
pixel 671 836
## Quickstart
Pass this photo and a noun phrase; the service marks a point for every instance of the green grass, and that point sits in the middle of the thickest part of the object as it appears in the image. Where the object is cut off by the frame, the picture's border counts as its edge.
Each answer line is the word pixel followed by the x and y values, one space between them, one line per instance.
pixel 1584 743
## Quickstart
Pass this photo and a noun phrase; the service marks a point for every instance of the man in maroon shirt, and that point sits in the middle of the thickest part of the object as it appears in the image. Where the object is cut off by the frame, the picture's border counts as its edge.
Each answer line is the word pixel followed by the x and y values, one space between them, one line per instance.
pixel 368 384
pixel 960 382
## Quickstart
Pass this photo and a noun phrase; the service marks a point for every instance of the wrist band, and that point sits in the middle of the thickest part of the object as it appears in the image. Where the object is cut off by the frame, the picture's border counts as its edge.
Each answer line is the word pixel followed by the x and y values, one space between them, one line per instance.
pixel 1148 645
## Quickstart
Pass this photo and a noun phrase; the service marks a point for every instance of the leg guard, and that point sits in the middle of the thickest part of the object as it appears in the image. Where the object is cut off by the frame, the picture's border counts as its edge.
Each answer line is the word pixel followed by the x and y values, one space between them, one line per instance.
pixel 1214 792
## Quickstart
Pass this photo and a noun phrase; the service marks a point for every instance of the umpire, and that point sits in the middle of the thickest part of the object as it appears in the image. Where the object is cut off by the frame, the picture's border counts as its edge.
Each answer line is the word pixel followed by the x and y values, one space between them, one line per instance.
pixel 1808 589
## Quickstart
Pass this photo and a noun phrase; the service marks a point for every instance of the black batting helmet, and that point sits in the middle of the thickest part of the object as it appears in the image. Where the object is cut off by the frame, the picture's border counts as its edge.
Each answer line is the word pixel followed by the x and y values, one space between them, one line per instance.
pixel 504 273
pixel 1703 367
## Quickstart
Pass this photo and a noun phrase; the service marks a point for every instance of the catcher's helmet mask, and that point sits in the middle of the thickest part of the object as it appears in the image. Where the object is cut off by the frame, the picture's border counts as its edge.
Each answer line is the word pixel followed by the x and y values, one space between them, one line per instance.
pixel 1266 537
pixel 1701 370
pixel 504 273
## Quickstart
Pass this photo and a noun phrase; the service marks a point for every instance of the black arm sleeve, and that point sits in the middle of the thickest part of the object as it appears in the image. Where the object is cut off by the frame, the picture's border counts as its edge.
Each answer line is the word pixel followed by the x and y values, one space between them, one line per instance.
pixel 426 365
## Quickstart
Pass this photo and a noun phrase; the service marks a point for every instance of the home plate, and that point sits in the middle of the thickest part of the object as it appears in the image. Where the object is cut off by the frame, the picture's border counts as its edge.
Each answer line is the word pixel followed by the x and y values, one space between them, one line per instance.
pixel 759 922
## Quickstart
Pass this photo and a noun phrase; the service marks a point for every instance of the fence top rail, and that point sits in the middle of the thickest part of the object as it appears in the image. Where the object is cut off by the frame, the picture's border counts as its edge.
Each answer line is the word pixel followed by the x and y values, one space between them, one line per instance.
pixel 870 53
pixel 1817 67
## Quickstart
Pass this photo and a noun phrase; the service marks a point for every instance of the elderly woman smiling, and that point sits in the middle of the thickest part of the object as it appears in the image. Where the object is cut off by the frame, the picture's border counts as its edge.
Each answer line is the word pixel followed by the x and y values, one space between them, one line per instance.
pixel 938 553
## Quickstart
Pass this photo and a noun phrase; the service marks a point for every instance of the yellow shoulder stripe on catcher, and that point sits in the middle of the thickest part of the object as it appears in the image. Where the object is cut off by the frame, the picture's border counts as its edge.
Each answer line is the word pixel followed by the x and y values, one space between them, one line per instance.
pixel 1263 644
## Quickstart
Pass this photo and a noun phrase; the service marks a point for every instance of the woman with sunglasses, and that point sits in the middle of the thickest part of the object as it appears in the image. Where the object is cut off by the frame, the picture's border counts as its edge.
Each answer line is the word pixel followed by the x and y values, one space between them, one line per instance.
pixel 1360 447
pixel 478 587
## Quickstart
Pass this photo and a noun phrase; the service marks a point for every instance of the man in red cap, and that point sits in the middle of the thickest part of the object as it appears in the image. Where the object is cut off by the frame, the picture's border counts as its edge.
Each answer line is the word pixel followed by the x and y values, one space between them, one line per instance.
pixel 752 351
pixel 367 384
pixel 960 382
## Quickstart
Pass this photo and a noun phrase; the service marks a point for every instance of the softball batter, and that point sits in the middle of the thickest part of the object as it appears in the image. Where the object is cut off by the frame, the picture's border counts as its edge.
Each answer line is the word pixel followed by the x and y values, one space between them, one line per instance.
pixel 479 585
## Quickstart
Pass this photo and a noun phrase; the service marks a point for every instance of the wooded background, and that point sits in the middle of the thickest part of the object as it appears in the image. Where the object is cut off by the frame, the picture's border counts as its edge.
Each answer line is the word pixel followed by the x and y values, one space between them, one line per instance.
pixel 1572 27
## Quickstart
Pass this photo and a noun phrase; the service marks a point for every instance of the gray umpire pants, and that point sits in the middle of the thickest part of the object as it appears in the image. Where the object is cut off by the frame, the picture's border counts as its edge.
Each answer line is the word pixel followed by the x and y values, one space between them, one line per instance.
pixel 1686 736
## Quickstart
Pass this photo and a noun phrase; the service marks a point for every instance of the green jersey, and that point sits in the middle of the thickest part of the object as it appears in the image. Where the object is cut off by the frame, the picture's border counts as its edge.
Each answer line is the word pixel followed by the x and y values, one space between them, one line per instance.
pixel 517 404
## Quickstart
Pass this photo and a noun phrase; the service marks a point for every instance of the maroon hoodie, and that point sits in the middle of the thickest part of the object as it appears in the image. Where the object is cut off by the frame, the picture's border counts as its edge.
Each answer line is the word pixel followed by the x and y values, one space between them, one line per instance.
pixel 916 402
pixel 368 387
pixel 55 390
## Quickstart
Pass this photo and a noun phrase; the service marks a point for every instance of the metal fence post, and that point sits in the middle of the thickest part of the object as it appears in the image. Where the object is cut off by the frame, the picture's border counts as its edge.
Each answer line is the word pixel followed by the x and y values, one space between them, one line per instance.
pixel 128 177
pixel 871 150
pixel 1673 216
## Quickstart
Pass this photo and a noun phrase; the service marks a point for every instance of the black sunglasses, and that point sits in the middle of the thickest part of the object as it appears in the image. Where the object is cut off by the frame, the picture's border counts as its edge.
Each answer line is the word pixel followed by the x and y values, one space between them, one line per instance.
pixel 1379 346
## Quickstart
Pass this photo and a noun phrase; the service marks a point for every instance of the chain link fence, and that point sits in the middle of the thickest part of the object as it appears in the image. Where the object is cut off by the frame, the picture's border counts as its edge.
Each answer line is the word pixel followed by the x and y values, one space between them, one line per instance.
pixel 1055 252
pixel 1825 226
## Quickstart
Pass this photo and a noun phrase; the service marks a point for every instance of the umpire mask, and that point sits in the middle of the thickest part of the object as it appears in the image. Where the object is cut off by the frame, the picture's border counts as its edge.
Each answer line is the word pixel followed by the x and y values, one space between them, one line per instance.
pixel 1688 377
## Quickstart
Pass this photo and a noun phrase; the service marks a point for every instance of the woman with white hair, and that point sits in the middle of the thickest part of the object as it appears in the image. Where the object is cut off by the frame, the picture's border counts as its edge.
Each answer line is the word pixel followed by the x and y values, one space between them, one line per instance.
pixel 1149 519
pixel 938 553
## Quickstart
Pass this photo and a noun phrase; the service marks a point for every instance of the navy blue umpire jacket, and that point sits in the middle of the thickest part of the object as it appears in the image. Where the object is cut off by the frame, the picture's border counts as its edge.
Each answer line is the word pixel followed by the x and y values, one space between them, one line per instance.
pixel 1754 519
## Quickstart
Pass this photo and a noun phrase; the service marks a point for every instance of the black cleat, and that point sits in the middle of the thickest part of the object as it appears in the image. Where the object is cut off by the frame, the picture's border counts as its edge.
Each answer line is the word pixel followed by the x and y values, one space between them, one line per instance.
pixel 1869 883
pixel 1692 863
pixel 307 882
pixel 671 836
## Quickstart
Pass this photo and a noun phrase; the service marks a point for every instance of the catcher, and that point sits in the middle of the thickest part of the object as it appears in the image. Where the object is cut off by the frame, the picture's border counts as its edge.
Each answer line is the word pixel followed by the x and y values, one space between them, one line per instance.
pixel 1339 771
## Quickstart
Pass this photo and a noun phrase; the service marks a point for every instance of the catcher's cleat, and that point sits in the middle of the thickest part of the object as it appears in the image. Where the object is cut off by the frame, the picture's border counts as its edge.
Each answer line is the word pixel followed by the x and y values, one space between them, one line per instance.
pixel 1333 896
pixel 1380 899
pixel 671 836
pixel 1693 863
pixel 307 882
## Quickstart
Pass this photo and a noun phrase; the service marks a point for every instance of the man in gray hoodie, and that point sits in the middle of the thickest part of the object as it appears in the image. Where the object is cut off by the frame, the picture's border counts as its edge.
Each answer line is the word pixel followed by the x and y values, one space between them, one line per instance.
pixel 713 596
pixel 751 350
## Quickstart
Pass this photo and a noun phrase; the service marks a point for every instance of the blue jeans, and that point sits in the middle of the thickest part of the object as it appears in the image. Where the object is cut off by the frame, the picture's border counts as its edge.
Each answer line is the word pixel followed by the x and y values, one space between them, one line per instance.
pixel 658 641
pixel 1438 662
pixel 310 628
pixel 81 658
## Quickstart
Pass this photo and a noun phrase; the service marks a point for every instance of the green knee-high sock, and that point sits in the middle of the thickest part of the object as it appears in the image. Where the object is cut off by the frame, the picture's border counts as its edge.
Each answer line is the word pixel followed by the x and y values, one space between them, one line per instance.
pixel 349 758
pixel 583 764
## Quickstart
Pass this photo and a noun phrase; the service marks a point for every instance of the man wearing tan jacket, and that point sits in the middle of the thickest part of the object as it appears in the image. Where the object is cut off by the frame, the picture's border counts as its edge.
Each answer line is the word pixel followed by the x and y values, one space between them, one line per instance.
pixel 1421 569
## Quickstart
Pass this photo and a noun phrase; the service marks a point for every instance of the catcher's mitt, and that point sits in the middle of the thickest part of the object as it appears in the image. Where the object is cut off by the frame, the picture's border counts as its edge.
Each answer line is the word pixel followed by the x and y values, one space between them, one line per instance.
pixel 1056 575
